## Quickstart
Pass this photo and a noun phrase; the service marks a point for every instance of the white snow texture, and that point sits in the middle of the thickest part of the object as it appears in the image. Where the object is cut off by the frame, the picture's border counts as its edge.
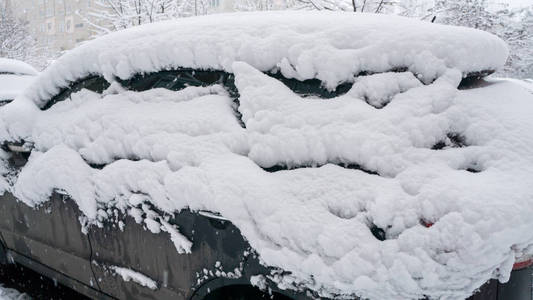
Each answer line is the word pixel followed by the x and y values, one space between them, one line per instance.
pixel 13 85
pixel 420 150
pixel 17 67
pixel 130 275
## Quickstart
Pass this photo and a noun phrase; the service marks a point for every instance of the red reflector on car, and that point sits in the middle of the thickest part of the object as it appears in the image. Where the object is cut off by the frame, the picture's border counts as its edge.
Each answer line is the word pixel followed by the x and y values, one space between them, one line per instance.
pixel 523 264
pixel 427 224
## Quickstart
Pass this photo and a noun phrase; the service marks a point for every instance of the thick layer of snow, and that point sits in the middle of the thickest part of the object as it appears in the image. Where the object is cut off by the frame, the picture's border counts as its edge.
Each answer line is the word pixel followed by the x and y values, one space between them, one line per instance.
pixel 525 83
pixel 314 221
pixel 330 46
pixel 16 67
pixel 378 89
pixel 130 275
pixel 13 85
pixel 462 160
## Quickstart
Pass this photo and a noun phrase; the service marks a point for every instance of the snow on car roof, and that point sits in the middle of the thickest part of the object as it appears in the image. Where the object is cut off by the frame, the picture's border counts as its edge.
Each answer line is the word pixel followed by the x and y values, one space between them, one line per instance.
pixel 12 66
pixel 13 85
pixel 330 46
pixel 334 191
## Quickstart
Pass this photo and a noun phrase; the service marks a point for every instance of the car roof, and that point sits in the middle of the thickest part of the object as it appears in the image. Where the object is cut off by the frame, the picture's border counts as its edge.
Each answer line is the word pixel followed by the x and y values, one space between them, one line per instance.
pixel 330 46
pixel 12 66
pixel 12 85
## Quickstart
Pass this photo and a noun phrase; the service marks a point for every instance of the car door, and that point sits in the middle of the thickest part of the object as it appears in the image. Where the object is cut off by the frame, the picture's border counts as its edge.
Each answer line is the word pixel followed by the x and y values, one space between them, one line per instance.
pixel 135 248
pixel 49 238
pixel 216 244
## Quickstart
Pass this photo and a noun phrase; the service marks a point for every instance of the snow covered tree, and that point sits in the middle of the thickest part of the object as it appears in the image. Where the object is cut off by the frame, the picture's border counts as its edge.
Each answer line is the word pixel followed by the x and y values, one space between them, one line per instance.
pixel 517 30
pixel 111 15
pixel 15 39
pixel 469 13
pixel 374 6
pixel 514 26
pixel 256 5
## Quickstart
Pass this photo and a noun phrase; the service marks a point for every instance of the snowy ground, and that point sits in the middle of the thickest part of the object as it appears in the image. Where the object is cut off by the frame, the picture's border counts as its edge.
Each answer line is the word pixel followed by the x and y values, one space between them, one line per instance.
pixel 11 294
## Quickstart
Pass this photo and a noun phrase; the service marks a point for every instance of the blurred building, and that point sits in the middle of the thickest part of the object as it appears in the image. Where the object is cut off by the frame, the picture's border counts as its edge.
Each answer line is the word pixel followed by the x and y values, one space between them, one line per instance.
pixel 56 24
pixel 60 25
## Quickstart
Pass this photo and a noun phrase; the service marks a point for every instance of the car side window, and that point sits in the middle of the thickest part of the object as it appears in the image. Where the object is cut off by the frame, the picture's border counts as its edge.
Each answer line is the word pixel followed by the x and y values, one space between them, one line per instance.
pixel 175 80
pixel 93 83
pixel 312 87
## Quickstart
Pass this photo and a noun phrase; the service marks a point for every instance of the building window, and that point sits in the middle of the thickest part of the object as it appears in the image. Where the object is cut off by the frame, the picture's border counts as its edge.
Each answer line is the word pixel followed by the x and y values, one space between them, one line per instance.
pixel 60 7
pixel 61 27
pixel 49 4
pixel 42 8
pixel 69 24
pixel 79 25
pixel 51 26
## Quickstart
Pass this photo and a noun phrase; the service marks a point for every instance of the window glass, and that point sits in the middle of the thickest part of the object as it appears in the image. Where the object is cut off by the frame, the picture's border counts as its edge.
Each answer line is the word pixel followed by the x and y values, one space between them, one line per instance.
pixel 93 83
pixel 49 8
pixel 175 80
pixel 179 79
pixel 312 87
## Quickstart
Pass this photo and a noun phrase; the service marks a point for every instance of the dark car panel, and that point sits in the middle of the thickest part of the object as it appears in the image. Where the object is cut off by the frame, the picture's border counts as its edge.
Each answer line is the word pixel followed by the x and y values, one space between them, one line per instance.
pixel 519 287
pixel 22 262
pixel 54 239
pixel 85 262
pixel 155 255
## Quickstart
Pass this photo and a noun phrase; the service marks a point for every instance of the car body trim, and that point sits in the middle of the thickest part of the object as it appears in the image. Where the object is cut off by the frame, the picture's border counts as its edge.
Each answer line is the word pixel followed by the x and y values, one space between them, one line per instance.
pixel 60 277
pixel 211 215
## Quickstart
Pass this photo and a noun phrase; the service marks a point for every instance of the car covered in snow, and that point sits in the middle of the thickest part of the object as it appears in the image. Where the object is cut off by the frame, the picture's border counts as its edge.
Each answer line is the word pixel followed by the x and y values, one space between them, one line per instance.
pixel 280 155
pixel 15 76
